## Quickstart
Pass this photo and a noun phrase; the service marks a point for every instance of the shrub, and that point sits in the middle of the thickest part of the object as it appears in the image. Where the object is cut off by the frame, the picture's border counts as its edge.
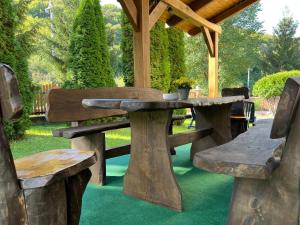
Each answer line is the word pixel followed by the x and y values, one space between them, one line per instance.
pixel 271 86
pixel 177 55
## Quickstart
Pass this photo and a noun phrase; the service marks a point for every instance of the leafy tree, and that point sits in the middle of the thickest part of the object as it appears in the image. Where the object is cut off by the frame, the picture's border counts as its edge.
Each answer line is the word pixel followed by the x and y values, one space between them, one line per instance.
pixel 89 62
pixel 177 55
pixel 238 50
pixel 283 51
pixel 54 40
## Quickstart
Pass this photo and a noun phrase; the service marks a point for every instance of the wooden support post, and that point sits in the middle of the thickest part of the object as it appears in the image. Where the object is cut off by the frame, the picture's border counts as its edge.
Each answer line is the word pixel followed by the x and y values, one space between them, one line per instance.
pixel 141 46
pixel 213 80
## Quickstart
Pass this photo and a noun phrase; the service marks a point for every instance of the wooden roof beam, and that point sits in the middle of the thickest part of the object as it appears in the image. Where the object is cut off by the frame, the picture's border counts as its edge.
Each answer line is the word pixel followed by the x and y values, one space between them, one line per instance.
pixel 209 41
pixel 130 10
pixel 227 13
pixel 156 13
pixel 196 5
pixel 184 11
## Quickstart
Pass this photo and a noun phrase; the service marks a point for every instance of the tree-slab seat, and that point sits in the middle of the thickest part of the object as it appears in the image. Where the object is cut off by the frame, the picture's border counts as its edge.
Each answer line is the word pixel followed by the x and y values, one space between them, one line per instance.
pixel 43 169
pixel 250 155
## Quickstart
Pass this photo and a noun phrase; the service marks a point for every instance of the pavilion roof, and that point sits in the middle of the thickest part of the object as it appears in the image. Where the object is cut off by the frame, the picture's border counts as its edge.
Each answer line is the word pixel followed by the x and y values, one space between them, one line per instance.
pixel 214 11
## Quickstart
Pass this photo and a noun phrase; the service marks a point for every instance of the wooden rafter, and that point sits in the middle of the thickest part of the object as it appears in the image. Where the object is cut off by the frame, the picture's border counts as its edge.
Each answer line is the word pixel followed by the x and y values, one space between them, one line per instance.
pixel 184 11
pixel 131 12
pixel 196 5
pixel 227 13
pixel 156 13
pixel 209 41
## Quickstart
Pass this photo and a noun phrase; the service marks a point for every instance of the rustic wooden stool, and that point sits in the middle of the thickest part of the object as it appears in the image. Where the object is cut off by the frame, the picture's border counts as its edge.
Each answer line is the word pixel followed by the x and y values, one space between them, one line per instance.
pixel 43 189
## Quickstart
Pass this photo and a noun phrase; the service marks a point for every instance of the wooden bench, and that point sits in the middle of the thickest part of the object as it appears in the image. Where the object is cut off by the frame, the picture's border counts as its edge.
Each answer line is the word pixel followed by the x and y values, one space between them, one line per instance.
pixel 66 106
pixel 45 188
pixel 266 167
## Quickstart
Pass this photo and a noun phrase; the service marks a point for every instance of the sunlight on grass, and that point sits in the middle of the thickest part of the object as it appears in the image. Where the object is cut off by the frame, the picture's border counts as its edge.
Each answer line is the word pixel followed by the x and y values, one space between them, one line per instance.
pixel 39 138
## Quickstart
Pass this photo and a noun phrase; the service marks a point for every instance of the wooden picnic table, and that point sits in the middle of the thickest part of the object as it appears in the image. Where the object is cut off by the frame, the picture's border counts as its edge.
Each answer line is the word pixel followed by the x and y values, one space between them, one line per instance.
pixel 150 174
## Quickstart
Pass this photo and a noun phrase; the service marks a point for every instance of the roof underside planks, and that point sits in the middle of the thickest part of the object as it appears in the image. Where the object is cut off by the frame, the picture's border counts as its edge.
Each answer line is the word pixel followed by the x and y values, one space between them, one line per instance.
pixel 214 11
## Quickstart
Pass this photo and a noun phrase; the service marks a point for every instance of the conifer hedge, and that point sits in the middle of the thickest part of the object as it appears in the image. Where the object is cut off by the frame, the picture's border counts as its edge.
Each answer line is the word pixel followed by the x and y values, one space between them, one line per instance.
pixel 14 52
pixel 177 55
pixel 89 65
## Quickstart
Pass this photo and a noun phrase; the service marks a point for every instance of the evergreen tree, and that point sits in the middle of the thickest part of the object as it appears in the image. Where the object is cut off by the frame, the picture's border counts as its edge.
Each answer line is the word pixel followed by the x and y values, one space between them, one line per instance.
pixel 159 56
pixel 86 62
pixel 16 46
pixel 127 52
pixel 282 52
pixel 7 33
pixel 106 66
pixel 177 55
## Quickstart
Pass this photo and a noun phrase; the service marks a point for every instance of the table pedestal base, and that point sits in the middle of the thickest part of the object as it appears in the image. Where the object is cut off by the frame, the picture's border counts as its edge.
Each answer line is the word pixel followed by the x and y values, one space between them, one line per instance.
pixel 150 174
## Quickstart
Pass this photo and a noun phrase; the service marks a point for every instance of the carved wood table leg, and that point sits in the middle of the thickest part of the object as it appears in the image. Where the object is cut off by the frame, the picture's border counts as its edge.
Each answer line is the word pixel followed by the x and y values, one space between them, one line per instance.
pixel 47 205
pixel 96 143
pixel 216 117
pixel 150 174
pixel 76 186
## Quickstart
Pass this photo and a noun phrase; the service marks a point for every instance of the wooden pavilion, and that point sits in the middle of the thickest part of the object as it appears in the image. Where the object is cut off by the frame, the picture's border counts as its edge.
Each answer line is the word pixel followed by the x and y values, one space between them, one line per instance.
pixel 191 16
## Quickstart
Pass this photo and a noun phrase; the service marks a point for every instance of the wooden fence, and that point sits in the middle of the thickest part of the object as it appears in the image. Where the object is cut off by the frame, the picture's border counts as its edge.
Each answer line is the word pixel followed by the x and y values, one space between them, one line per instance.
pixel 39 101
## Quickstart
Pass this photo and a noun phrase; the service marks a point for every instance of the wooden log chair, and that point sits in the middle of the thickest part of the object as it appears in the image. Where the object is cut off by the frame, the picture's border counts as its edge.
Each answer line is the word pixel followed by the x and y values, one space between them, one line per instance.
pixel 266 170
pixel 45 188
pixel 66 106
pixel 242 113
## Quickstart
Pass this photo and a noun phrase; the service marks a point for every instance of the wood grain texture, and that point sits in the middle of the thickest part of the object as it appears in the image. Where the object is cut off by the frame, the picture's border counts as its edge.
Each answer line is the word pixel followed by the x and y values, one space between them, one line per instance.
pixel 66 105
pixel 188 137
pixel 94 143
pixel 250 155
pixel 10 100
pixel 47 205
pixel 50 166
pixel 76 186
pixel 184 11
pixel 150 174
pixel 141 46
pixel 288 100
pixel 131 12
pixel 156 13
pixel 213 67
pixel 12 203
pixel 216 117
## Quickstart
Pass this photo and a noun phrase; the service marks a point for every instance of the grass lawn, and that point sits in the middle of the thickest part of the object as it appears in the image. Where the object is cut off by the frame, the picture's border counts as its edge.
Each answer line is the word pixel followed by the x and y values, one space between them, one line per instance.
pixel 39 138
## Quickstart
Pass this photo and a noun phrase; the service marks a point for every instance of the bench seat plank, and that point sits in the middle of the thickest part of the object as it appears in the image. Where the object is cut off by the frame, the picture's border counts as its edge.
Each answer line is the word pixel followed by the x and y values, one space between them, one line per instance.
pixel 74 132
pixel 44 168
pixel 250 155
pixel 80 131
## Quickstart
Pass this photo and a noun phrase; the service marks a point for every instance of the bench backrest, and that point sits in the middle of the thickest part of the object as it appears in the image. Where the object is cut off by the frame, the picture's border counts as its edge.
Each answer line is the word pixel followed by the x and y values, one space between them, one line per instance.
pixel 12 210
pixel 287 108
pixel 66 105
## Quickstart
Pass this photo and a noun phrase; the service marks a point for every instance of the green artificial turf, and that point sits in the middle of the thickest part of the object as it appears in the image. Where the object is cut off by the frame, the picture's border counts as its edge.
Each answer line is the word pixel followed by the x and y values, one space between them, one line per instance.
pixel 206 196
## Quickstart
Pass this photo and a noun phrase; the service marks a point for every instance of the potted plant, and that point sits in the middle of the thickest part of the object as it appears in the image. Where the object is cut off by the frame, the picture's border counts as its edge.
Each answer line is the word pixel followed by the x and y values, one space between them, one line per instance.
pixel 184 85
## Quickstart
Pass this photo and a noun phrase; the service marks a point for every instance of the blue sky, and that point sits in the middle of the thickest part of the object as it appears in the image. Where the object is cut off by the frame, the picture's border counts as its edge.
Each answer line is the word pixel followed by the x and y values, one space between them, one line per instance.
pixel 271 14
